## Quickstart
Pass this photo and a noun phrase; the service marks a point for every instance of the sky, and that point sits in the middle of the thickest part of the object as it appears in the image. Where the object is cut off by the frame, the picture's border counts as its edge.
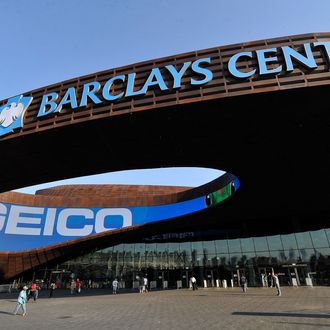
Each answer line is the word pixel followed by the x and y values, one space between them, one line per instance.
pixel 47 41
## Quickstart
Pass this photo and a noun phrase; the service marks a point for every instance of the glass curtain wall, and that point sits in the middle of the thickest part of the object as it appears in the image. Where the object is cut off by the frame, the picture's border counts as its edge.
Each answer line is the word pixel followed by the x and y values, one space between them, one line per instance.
pixel 299 259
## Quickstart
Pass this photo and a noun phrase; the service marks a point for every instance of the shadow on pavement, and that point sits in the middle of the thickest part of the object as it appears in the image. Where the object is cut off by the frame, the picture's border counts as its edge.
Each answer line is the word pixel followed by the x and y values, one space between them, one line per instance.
pixel 305 324
pixel 1 312
pixel 281 314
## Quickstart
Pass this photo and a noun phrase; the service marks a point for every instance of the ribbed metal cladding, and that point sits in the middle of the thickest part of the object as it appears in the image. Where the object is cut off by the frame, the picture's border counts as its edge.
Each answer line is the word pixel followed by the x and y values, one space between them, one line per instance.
pixel 222 85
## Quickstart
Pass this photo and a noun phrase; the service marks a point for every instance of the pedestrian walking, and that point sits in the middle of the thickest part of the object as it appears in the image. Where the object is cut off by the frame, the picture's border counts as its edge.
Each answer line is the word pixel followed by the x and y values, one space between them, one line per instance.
pixel 193 283
pixel 78 285
pixel 21 302
pixel 270 280
pixel 114 286
pixel 140 279
pixel 33 292
pixel 72 286
pixel 243 283
pixel 53 286
pixel 277 284
pixel 145 284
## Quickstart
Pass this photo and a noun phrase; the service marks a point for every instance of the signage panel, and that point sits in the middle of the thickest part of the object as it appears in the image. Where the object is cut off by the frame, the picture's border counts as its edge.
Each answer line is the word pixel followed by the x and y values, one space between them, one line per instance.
pixel 264 63
pixel 26 227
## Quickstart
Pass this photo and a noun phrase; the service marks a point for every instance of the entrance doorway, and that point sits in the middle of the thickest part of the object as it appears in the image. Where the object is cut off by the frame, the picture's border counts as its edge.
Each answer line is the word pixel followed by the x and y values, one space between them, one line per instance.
pixel 185 277
pixel 210 276
pixel 264 274
pixel 296 275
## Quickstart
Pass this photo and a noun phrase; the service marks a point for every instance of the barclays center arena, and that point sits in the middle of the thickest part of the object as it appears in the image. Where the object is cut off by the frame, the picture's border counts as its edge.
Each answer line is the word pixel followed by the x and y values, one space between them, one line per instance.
pixel 256 110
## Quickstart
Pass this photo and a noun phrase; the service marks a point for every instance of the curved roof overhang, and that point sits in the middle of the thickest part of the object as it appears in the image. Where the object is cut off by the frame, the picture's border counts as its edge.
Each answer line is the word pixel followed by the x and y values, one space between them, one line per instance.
pixel 272 131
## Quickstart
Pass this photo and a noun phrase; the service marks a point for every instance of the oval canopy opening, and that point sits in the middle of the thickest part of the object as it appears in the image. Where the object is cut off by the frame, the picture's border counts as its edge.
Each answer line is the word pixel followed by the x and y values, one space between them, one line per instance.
pixel 170 176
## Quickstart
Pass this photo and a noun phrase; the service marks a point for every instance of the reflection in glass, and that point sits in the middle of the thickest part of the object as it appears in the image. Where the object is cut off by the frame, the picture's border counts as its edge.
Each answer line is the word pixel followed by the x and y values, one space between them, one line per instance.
pixel 260 244
pixel 139 247
pixel 161 247
pixel 247 244
pixel 173 247
pixel 118 248
pixel 274 242
pixel 319 238
pixel 198 247
pixel 185 246
pixel 325 252
pixel 221 246
pixel 223 259
pixel 234 246
pixel 235 258
pixel 150 247
pixel 289 242
pixel 209 247
pixel 127 260
pixel 328 234
pixel 306 254
pixel 304 240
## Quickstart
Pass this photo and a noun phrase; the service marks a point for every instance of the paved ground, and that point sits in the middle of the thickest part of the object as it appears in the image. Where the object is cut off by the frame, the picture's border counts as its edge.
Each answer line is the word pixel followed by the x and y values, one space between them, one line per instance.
pixel 259 308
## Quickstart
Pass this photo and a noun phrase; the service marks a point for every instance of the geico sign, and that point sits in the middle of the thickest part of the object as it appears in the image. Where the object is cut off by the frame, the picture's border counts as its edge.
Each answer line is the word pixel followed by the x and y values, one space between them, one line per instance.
pixel 41 221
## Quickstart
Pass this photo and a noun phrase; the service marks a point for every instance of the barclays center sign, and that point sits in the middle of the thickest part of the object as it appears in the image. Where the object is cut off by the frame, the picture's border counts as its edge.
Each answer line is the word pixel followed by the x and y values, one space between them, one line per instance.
pixel 269 61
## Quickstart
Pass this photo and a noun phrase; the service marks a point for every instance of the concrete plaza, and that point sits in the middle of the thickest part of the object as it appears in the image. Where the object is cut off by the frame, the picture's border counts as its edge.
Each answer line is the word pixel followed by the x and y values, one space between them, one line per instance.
pixel 259 308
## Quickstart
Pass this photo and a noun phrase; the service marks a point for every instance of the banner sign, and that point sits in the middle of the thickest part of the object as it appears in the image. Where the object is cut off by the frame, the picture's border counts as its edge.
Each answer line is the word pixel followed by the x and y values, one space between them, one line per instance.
pixel 25 227
pixel 269 61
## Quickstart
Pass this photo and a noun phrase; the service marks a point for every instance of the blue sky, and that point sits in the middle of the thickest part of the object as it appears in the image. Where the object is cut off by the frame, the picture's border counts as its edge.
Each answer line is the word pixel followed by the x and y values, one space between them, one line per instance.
pixel 47 41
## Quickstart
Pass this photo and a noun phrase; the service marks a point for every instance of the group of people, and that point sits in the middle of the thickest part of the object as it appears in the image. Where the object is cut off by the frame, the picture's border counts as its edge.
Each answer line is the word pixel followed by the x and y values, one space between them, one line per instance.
pixel 32 292
pixel 75 286
pixel 143 284
pixel 273 281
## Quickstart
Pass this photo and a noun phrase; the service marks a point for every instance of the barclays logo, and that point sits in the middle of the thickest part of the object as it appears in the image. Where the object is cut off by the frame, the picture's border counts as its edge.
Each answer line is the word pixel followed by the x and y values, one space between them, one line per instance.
pixel 11 114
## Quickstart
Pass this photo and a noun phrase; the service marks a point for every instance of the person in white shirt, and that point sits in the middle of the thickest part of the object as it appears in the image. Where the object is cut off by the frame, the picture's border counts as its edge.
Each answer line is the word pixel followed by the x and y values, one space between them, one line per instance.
pixel 145 284
pixel 193 283
pixel 114 286
pixel 277 284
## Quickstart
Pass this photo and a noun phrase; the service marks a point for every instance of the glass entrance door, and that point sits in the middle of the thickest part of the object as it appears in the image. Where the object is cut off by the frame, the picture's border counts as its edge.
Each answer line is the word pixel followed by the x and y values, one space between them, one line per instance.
pixel 210 277
pixel 297 275
pixel 185 278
